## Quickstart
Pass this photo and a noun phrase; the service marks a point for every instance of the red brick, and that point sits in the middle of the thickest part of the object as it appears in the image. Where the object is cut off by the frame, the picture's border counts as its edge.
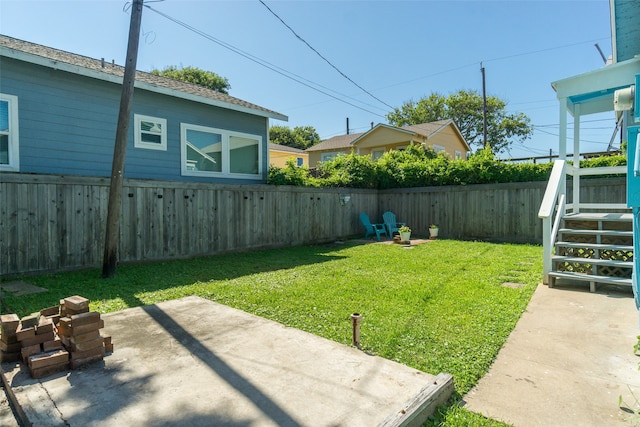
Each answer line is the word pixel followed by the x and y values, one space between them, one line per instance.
pixel 47 359
pixel 30 320
pixel 84 318
pixel 9 338
pixel 29 351
pixel 76 302
pixel 10 357
pixel 44 325
pixel 24 333
pixel 106 338
pixel 10 348
pixel 38 339
pixel 88 345
pixel 52 345
pixel 97 351
pixel 9 323
pixel 83 329
pixel 48 370
pixel 75 364
pixel 54 319
pixel 51 311
pixel 64 326
pixel 91 335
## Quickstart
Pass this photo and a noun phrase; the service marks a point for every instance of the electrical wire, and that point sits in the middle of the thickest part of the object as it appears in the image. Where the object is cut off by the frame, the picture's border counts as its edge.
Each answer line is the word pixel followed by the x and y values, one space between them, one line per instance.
pixel 322 56
pixel 259 61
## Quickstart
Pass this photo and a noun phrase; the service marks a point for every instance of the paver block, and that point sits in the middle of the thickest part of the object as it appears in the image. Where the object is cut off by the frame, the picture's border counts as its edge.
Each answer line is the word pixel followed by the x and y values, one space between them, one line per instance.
pixel 38 339
pixel 48 370
pixel 23 332
pixel 76 302
pixel 48 358
pixel 44 325
pixel 84 318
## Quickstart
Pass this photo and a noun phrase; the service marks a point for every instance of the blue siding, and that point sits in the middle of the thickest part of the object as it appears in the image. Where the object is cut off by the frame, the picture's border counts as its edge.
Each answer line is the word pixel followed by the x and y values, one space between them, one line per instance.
pixel 68 125
pixel 627 22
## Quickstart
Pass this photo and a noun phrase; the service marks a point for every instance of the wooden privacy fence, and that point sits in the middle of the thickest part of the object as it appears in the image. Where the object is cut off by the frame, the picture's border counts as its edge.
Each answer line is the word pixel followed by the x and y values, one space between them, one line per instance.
pixel 52 223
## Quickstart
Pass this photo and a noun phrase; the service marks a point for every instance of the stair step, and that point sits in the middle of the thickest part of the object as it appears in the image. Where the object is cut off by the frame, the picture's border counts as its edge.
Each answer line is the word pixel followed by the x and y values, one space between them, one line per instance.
pixel 593 261
pixel 591 278
pixel 596 216
pixel 625 233
pixel 595 246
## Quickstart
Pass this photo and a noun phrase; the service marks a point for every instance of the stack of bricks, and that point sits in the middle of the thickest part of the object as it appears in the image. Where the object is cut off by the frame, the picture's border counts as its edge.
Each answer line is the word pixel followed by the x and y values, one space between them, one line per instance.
pixel 79 330
pixel 55 339
pixel 41 349
pixel 9 345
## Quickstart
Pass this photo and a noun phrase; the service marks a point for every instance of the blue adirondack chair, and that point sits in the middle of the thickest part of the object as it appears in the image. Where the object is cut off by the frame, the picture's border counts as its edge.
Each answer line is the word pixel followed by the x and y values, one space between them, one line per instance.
pixel 390 223
pixel 371 229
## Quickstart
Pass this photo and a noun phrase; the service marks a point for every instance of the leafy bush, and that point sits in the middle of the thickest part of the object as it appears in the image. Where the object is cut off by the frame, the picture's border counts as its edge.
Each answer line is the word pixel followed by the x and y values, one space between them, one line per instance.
pixel 419 167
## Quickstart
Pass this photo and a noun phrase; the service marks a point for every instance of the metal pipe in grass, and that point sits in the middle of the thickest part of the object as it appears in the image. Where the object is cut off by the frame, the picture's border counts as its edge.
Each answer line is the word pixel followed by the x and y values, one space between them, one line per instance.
pixel 356 318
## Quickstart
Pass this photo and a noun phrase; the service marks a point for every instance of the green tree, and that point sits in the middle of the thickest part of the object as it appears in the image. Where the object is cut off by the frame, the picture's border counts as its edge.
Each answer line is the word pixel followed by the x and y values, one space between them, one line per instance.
pixel 465 108
pixel 301 137
pixel 196 76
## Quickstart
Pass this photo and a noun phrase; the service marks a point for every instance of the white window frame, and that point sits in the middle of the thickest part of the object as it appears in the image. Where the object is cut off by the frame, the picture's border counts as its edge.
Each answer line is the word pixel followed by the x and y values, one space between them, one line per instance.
pixel 376 154
pixel 438 148
pixel 13 134
pixel 328 156
pixel 226 155
pixel 458 155
pixel 139 143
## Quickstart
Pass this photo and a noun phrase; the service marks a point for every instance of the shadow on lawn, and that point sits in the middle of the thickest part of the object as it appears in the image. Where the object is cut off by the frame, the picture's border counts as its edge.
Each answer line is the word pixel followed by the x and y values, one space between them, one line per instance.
pixel 133 279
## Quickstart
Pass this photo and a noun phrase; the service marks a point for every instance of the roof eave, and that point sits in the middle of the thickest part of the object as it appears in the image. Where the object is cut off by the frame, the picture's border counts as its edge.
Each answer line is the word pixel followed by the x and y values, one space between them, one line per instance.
pixel 75 69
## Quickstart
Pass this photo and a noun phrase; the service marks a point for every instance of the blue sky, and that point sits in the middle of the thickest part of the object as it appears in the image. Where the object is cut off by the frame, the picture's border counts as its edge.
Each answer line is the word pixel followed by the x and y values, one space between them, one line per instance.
pixel 396 50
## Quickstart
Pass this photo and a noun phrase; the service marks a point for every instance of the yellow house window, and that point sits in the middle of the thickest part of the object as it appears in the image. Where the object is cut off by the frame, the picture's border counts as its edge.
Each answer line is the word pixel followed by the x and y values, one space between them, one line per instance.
pixel 376 154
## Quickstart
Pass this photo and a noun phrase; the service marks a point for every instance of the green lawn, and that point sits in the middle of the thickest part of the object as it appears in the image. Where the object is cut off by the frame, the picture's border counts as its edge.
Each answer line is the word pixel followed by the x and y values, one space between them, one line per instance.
pixel 438 307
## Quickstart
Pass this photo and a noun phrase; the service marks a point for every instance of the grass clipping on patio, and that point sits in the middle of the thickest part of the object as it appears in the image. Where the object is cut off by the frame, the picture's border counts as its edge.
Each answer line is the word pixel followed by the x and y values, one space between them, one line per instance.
pixel 439 307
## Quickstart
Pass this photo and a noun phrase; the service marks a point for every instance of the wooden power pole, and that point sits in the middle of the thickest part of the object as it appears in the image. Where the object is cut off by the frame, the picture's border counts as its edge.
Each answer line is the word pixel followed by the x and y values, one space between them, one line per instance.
pixel 112 233
pixel 484 108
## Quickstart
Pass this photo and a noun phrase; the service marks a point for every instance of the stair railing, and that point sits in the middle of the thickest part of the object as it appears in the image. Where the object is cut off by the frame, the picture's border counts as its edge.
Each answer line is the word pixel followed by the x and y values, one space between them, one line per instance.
pixel 551 212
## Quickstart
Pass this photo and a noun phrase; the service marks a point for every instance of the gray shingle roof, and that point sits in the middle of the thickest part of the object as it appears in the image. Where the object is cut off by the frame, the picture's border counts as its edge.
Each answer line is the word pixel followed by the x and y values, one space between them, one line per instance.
pixel 337 142
pixel 100 66
pixel 279 147
pixel 341 142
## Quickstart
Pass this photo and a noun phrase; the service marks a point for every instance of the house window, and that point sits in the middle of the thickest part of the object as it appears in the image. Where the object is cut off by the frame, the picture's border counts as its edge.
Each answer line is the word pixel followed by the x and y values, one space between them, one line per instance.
pixel 376 154
pixel 438 148
pixel 327 157
pixel 9 147
pixel 458 155
pixel 299 161
pixel 150 132
pixel 218 153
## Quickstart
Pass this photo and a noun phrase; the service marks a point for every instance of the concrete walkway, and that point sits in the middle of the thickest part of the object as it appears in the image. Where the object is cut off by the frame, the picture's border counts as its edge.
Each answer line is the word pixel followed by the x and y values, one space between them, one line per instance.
pixel 193 362
pixel 566 363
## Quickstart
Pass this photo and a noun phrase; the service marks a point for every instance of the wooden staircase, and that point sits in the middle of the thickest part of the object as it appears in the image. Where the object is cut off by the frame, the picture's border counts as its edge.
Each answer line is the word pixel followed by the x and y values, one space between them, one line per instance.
pixel 594 247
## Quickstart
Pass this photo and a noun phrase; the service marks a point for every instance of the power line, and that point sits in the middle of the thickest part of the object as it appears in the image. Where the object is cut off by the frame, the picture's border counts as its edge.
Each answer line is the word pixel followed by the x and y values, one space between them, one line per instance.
pixel 321 56
pixel 543 50
pixel 259 61
pixel 490 60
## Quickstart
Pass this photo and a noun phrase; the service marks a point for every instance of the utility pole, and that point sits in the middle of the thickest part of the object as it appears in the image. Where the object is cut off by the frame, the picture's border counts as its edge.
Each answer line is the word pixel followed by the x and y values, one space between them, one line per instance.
pixel 110 259
pixel 484 107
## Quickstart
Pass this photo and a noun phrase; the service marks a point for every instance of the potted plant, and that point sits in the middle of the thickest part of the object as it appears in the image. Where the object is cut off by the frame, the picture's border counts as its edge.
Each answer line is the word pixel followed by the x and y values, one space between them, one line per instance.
pixel 433 231
pixel 405 233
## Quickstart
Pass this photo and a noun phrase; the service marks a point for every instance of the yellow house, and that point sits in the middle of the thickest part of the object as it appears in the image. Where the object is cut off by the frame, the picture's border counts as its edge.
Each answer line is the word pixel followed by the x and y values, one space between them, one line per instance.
pixel 442 135
pixel 279 154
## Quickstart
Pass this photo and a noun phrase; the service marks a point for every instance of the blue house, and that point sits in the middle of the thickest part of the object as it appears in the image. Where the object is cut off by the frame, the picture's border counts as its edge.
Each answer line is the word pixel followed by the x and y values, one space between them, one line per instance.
pixel 58 115
pixel 597 241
